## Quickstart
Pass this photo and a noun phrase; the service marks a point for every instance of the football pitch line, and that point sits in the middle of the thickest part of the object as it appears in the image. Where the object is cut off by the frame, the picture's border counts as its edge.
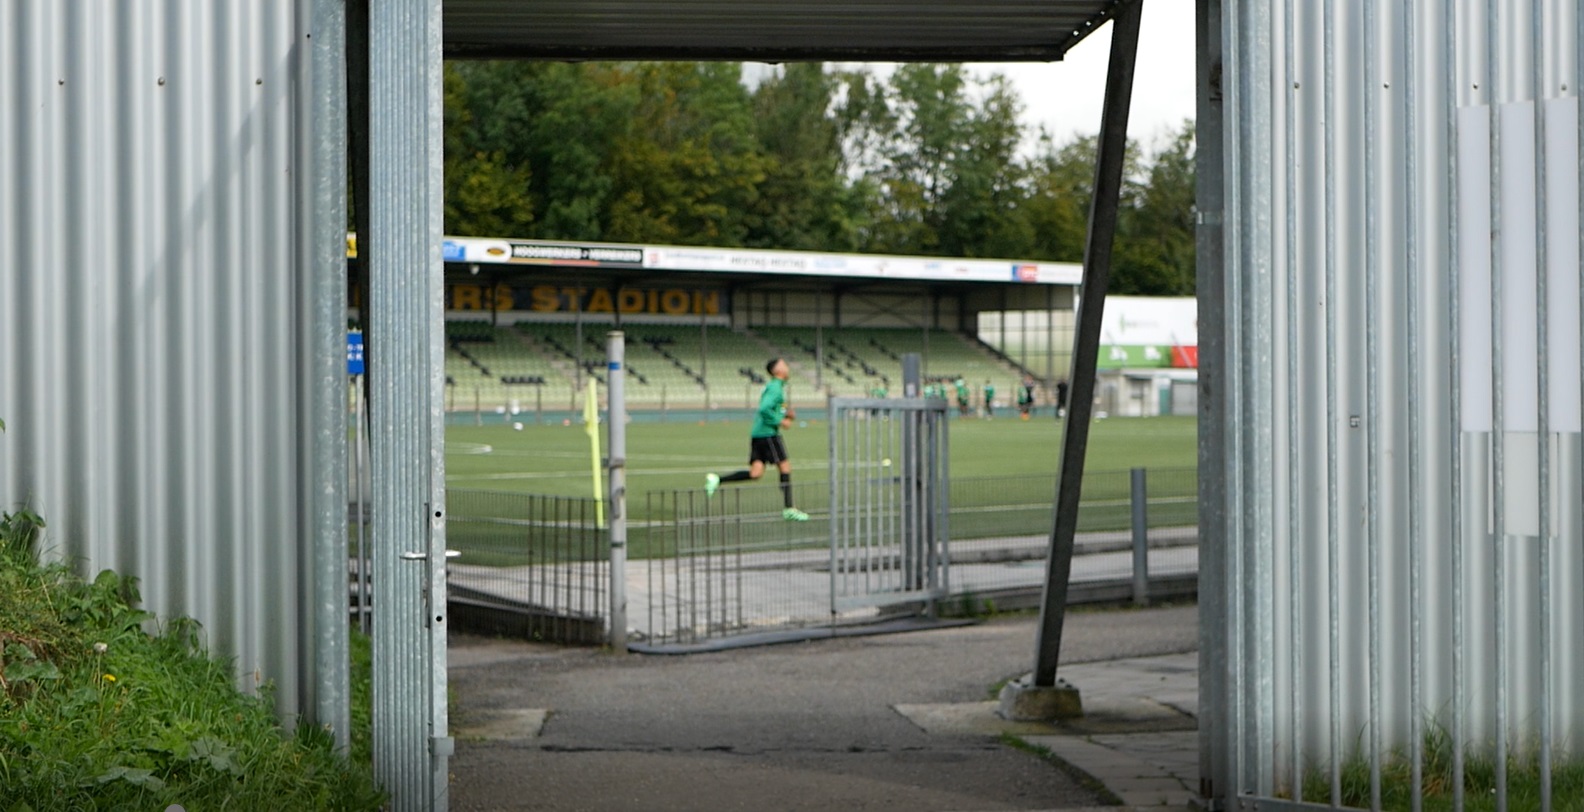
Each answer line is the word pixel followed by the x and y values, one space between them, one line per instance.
pixel 522 475
pixel 484 448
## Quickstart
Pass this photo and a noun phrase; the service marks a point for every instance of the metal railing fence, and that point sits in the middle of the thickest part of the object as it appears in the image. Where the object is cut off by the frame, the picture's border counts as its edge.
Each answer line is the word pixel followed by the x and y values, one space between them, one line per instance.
pixel 541 558
pixel 729 564
pixel 702 567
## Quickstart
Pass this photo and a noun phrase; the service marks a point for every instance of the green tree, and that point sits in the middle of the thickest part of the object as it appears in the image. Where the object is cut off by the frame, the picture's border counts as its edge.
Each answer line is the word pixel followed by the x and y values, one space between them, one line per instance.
pixel 484 193
pixel 689 172
pixel 927 160
pixel 942 149
pixel 1156 256
pixel 980 214
pixel 562 121
pixel 1154 249
pixel 804 201
pixel 1061 182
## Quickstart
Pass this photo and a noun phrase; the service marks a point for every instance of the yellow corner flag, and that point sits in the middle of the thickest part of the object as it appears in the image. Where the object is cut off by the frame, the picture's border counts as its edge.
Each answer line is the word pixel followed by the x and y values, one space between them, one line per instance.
pixel 591 425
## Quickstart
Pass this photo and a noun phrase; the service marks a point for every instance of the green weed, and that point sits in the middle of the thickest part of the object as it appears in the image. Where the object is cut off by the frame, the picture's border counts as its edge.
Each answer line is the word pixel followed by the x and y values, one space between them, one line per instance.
pixel 1439 779
pixel 96 712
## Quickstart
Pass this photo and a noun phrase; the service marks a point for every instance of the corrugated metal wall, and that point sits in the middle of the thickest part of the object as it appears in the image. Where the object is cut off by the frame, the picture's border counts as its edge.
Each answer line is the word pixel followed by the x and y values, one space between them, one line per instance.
pixel 170 306
pixel 1393 388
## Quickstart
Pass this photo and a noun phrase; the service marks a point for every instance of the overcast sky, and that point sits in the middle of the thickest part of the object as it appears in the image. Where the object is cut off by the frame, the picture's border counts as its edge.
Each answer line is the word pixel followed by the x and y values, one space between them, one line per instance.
pixel 1066 96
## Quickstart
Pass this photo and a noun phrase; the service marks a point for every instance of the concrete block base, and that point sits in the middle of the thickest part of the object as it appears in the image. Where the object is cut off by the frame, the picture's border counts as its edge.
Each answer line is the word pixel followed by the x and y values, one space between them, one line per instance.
pixel 1022 701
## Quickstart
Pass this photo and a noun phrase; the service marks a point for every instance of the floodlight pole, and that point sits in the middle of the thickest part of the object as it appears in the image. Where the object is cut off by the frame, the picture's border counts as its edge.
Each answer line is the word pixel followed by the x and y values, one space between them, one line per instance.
pixel 1086 348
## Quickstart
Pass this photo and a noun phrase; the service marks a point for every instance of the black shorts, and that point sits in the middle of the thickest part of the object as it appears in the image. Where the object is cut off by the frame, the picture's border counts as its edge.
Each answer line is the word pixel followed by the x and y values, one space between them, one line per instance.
pixel 768 450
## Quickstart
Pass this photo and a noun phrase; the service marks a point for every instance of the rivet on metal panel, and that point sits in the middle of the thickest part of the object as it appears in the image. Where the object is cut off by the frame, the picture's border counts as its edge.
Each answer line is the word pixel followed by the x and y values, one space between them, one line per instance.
pixel 160 81
pixel 1353 421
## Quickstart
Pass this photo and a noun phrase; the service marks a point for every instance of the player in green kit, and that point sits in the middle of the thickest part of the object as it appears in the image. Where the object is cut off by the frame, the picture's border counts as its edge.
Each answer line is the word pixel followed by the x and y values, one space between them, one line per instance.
pixel 766 445
pixel 989 399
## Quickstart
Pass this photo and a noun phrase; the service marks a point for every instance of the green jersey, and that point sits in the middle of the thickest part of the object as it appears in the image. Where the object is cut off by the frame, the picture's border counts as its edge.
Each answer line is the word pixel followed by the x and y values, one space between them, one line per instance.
pixel 772 409
pixel 989 392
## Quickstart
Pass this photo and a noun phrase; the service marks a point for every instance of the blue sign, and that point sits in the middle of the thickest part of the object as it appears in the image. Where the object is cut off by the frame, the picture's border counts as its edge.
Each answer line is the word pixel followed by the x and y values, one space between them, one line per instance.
pixel 355 353
pixel 452 251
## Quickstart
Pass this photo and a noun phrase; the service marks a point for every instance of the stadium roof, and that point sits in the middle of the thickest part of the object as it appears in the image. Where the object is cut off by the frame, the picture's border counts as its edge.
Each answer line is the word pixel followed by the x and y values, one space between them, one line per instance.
pixel 772 30
pixel 669 260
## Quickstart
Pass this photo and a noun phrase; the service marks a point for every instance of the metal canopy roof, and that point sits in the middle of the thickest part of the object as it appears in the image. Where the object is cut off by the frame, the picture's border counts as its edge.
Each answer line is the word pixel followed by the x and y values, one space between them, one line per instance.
pixel 772 30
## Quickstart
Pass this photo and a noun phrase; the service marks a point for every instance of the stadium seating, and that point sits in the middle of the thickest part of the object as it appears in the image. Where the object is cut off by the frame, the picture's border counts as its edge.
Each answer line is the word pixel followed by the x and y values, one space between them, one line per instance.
pixel 534 364
pixel 860 359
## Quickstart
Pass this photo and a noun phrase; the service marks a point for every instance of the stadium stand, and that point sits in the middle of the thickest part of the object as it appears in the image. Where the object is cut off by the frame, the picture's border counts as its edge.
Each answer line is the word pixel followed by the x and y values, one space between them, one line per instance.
pixel 860 359
pixel 678 365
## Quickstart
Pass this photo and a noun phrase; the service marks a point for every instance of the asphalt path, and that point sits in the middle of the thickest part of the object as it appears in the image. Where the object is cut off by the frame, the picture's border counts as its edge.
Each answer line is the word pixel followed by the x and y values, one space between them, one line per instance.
pixel 805 726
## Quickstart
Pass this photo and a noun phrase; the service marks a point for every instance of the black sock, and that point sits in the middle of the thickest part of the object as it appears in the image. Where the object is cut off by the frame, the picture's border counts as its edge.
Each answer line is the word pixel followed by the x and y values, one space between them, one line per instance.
pixel 736 476
pixel 786 488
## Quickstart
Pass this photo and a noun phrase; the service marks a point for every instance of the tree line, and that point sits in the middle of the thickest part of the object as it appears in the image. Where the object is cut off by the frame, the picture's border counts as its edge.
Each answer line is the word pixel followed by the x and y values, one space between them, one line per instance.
pixel 927 159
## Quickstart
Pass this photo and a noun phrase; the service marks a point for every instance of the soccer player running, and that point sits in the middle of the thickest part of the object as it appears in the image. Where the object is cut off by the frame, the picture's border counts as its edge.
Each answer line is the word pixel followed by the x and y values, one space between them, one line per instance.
pixel 767 447
pixel 1025 396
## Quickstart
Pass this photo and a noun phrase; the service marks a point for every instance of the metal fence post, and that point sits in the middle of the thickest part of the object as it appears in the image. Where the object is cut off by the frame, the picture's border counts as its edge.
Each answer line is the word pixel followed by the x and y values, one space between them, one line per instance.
pixel 407 369
pixel 912 470
pixel 1140 539
pixel 616 385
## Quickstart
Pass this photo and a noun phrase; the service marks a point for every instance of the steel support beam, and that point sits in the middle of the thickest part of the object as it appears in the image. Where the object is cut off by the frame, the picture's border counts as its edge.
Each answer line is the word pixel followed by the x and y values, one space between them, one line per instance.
pixel 1216 636
pixel 324 104
pixel 406 367
pixel 1086 348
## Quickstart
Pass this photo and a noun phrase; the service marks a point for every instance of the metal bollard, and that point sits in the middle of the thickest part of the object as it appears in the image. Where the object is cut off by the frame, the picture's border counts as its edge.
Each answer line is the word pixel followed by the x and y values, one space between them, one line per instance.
pixel 1140 539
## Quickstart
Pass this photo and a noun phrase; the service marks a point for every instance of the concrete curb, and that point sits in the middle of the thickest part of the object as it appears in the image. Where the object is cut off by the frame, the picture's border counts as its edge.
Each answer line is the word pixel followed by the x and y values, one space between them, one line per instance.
pixel 1136 782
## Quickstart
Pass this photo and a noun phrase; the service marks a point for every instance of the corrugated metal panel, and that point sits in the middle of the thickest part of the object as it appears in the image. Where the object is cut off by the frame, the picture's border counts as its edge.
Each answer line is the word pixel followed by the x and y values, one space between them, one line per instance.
pixel 771 30
pixel 1395 386
pixel 161 310
pixel 406 408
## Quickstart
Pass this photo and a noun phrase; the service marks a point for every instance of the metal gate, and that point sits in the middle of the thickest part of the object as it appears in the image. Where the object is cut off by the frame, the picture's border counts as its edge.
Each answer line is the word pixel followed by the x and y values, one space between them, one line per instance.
pixel 729 567
pixel 888 503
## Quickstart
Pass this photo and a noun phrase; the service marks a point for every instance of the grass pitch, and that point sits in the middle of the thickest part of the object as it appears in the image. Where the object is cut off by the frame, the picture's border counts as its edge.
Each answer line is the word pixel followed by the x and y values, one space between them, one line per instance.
pixel 1002 483
pixel 554 459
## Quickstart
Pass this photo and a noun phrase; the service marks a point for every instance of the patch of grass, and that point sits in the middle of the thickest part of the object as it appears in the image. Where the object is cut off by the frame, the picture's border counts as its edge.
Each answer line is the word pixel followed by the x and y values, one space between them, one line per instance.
pixel 97 713
pixel 1439 779
pixel 362 698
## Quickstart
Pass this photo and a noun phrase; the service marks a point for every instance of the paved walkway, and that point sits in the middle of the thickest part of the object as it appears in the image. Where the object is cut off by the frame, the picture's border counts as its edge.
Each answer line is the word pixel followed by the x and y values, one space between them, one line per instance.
pixel 900 722
pixel 1138 738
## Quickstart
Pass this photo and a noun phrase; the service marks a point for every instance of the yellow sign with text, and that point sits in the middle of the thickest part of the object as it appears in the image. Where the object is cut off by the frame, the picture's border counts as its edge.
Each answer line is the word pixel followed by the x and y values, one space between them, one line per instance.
pixel 571 299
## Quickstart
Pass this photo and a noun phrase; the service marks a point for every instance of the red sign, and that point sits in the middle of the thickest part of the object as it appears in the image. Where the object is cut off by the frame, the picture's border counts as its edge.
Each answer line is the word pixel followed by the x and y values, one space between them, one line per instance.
pixel 1185 357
